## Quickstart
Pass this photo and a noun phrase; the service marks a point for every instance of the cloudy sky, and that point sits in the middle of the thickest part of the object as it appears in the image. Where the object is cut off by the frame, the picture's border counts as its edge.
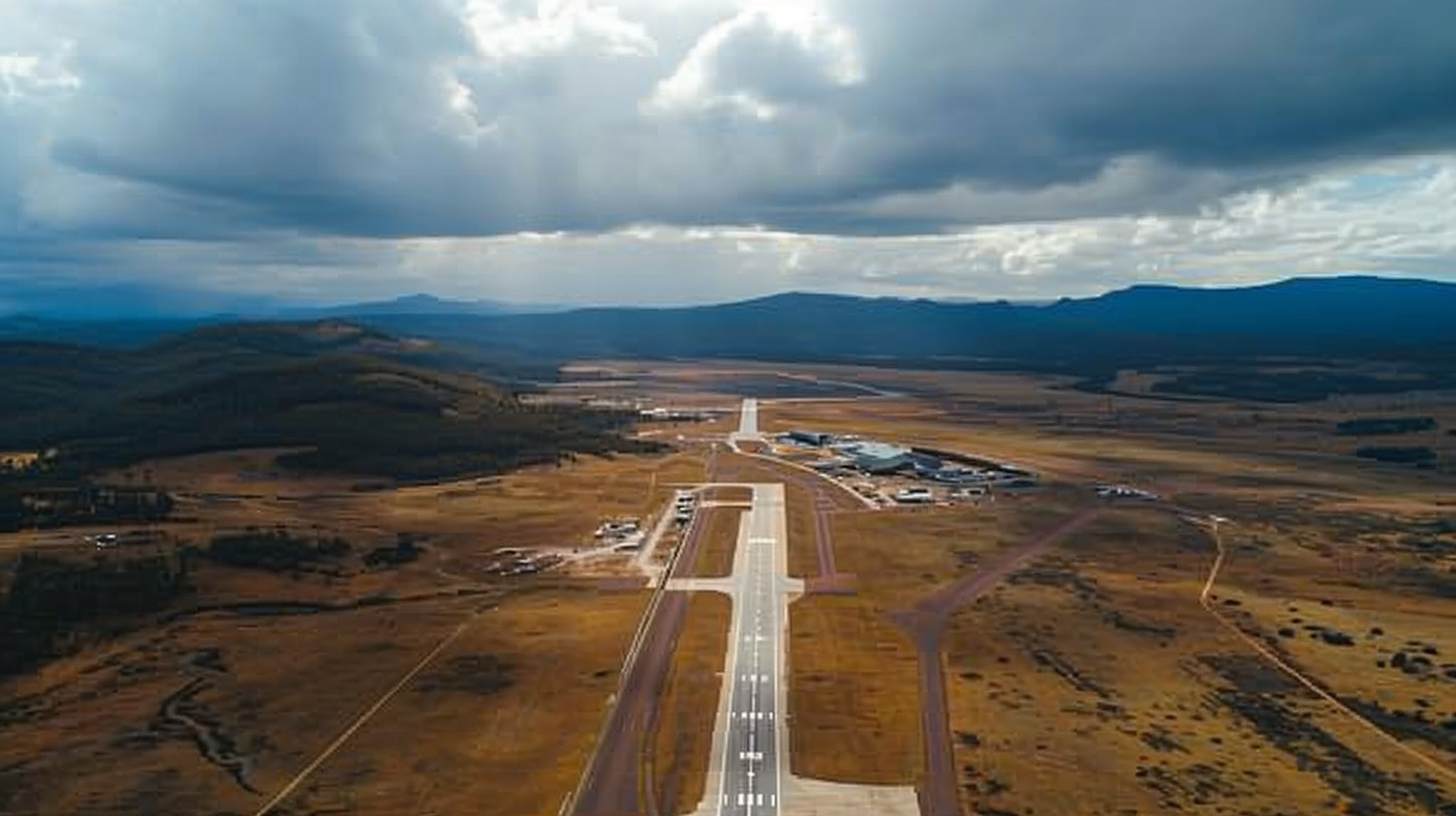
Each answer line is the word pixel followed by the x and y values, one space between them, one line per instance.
pixel 669 151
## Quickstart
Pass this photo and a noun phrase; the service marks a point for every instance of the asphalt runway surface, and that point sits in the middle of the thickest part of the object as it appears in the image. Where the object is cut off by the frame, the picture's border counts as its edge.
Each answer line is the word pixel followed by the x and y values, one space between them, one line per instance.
pixel 822 497
pixel 752 750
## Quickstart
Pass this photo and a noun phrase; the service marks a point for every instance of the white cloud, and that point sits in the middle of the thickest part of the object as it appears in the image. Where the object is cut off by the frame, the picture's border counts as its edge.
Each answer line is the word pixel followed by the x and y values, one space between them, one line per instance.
pixel 610 150
pixel 554 27
pixel 760 59
pixel 32 75
pixel 1389 217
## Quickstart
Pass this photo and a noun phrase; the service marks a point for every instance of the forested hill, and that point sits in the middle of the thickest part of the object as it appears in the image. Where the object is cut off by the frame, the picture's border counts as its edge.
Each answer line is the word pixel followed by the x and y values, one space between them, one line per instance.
pixel 356 400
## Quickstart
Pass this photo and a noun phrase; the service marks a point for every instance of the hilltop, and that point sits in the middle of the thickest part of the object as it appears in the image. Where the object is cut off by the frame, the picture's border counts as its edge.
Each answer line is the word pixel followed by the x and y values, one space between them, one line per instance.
pixel 355 399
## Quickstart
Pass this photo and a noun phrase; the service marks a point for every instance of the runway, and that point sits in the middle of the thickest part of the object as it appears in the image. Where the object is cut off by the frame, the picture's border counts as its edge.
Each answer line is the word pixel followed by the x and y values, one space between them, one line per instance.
pixel 751 748
pixel 748 768
pixel 747 425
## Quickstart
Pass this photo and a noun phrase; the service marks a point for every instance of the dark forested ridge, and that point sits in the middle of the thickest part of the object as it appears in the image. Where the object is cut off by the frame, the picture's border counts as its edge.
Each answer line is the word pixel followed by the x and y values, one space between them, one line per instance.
pixel 1226 333
pixel 356 400
pixel 1346 316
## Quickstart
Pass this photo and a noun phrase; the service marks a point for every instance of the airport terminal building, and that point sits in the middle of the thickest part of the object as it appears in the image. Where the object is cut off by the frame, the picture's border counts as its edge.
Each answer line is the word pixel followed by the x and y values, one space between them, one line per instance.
pixel 878 457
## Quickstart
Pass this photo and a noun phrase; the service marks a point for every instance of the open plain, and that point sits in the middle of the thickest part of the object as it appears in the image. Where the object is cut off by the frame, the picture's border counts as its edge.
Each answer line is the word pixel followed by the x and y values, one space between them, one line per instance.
pixel 1272 635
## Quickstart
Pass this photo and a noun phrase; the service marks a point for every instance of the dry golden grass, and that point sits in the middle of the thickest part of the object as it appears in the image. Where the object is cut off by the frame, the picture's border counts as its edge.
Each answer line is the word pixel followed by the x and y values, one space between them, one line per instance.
pixel 535 507
pixel 852 693
pixel 1095 683
pixel 720 540
pixel 451 745
pixel 727 495
pixel 86 734
pixel 900 556
pixel 854 687
pixel 803 553
pixel 1117 608
pixel 294 682
pixel 683 736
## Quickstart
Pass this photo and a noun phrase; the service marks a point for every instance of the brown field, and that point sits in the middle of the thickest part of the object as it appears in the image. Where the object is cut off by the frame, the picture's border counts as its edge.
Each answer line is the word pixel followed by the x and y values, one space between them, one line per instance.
pixel 92 734
pixel 715 559
pixel 1158 707
pixel 538 506
pixel 683 736
pixel 1094 681
pixel 1091 681
pixel 854 678
pixel 288 685
pixel 850 669
pixel 500 722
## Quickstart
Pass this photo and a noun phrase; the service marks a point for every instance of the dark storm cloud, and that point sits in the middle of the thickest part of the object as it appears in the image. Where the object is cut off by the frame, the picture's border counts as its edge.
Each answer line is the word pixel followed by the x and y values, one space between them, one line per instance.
pixel 413 117
pixel 1030 94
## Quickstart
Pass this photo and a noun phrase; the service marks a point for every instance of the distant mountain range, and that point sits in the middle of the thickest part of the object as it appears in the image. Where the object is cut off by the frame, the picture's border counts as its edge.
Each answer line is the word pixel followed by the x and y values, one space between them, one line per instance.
pixel 417 304
pixel 132 302
pixel 1365 317
pixel 1353 316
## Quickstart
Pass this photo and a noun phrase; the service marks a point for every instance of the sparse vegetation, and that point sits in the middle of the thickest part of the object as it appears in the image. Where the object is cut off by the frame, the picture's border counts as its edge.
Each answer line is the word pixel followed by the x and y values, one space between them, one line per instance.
pixel 41 499
pixel 1404 455
pixel 683 732
pixel 1385 426
pixel 404 551
pixel 276 550
pixel 1251 383
pixel 55 606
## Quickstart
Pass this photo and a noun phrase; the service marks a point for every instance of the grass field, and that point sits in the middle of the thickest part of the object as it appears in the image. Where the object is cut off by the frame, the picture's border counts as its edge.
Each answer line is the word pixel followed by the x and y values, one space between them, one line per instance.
pixel 1158 707
pixel 503 723
pixel 517 700
pixel 683 736
pixel 854 678
pixel 94 733
pixel 1092 681
pixel 851 693
pixel 715 559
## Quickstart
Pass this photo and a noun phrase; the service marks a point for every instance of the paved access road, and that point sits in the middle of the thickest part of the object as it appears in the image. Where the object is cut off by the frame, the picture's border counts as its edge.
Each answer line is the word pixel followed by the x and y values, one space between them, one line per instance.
pixel 926 623
pixel 613 784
